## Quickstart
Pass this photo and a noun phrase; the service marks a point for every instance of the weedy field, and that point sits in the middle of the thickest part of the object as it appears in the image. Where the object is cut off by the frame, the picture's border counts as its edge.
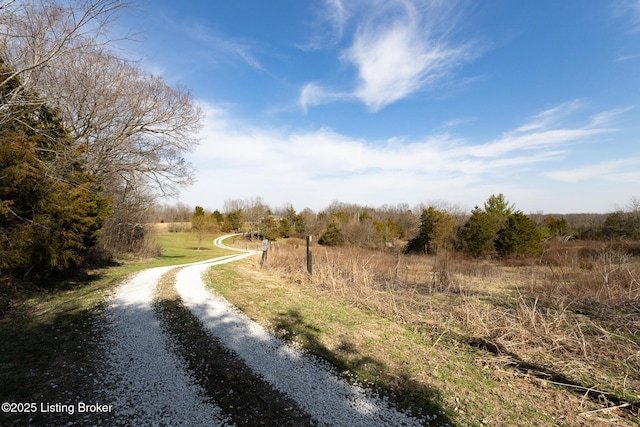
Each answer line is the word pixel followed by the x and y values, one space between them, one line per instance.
pixel 547 341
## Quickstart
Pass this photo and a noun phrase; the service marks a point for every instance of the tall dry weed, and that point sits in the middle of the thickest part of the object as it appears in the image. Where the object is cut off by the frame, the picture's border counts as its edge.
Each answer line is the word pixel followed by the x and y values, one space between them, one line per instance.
pixel 605 278
pixel 578 315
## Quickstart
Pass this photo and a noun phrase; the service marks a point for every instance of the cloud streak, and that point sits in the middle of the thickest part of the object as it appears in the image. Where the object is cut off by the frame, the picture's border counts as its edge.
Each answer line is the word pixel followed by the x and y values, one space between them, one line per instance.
pixel 398 48
pixel 313 94
pixel 616 171
pixel 329 26
pixel 634 9
pixel 220 46
pixel 281 164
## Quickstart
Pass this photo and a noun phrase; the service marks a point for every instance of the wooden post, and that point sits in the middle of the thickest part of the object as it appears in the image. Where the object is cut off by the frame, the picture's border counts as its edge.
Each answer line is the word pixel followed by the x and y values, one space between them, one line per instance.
pixel 309 257
pixel 265 247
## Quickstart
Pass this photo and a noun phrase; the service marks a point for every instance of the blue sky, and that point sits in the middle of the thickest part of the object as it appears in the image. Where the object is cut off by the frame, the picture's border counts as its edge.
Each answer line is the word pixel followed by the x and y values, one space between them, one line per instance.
pixel 383 102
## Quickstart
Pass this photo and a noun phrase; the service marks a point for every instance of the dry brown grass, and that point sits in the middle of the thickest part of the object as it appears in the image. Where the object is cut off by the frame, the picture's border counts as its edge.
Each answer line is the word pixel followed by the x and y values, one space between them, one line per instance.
pixel 571 317
pixel 170 227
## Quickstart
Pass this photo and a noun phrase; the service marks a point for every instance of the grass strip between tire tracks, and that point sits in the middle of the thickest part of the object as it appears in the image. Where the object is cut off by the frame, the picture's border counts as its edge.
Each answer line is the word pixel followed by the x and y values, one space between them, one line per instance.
pixel 232 385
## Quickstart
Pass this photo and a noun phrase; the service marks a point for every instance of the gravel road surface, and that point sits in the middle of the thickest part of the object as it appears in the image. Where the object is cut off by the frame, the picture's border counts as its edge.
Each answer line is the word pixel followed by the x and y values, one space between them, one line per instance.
pixel 148 384
pixel 144 380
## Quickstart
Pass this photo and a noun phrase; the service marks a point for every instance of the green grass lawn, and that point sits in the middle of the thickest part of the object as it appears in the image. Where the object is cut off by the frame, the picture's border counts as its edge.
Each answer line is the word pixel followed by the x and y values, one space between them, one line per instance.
pixel 179 248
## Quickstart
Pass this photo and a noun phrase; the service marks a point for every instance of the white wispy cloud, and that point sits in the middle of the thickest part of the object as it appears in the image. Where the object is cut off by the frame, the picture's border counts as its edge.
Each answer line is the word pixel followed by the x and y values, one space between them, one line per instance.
pixel 512 142
pixel 550 128
pixel 617 171
pixel 460 121
pixel 396 62
pixel 400 47
pixel 220 46
pixel 629 11
pixel 313 94
pixel 324 165
pixel 552 116
pixel 623 58
pixel 604 118
pixel 329 26
pixel 634 6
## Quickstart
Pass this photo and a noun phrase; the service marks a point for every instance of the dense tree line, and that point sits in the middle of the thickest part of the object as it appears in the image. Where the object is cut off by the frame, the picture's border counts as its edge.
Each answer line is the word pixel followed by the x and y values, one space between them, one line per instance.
pixel 89 139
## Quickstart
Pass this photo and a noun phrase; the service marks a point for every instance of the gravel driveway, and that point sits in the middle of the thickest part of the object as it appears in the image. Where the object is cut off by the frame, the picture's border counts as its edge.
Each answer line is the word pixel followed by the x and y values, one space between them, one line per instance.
pixel 148 384
pixel 143 379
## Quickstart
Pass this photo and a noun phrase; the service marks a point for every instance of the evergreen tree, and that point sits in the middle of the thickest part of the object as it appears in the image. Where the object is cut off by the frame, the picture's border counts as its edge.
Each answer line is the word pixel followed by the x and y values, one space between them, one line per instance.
pixel 478 233
pixel 299 224
pixel 50 213
pixel 284 228
pixel 558 227
pixel 498 206
pixel 621 225
pixel 520 236
pixel 269 228
pixel 217 216
pixel 437 230
pixel 498 209
pixel 332 236
pixel 232 221
pixel 296 222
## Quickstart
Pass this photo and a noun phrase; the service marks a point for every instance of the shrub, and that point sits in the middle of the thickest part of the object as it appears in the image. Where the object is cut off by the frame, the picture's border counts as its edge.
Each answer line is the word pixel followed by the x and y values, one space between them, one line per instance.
pixel 520 236
pixel 332 237
pixel 478 234
pixel 437 230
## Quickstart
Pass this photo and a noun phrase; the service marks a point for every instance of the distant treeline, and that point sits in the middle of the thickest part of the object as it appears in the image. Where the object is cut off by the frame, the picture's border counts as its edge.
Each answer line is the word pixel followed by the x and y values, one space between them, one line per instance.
pixel 496 228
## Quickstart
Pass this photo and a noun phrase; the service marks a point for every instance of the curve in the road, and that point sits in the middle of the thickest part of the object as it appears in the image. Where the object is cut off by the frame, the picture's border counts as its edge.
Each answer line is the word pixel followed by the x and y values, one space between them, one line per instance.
pixel 308 380
pixel 149 385
pixel 142 378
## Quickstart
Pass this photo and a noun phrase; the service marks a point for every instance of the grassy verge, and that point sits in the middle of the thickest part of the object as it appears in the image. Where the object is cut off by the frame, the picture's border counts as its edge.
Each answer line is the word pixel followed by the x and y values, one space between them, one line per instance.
pixel 179 248
pixel 351 338
pixel 423 363
pixel 48 348
pixel 50 333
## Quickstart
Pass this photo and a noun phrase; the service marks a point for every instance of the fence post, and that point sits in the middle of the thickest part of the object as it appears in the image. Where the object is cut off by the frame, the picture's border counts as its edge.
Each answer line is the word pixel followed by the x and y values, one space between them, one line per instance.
pixel 265 247
pixel 309 257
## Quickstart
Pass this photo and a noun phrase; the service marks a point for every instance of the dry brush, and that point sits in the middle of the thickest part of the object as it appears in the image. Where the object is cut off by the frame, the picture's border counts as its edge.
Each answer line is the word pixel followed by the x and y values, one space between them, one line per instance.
pixel 570 317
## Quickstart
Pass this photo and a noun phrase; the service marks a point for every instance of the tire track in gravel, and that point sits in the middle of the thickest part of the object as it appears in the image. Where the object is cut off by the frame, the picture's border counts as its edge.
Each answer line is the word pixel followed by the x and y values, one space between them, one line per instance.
pixel 244 396
pixel 142 374
pixel 142 378
pixel 309 381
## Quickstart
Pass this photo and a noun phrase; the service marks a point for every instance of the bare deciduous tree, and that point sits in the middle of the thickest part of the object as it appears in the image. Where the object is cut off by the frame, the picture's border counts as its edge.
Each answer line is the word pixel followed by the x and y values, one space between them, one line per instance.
pixel 131 129
pixel 35 32
pixel 128 124
pixel 253 210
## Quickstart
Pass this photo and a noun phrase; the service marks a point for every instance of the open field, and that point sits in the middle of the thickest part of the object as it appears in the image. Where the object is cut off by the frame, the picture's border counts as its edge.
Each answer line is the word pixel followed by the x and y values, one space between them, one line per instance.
pixel 526 344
